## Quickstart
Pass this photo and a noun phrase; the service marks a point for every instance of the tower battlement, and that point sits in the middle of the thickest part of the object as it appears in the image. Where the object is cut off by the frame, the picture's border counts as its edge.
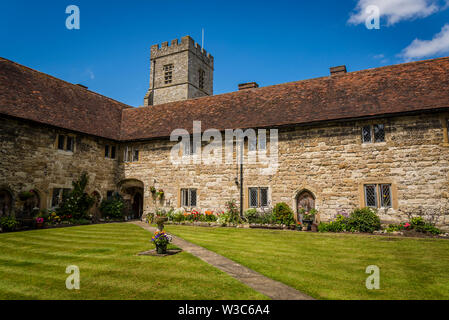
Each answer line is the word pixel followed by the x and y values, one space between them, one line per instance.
pixel 179 70
pixel 177 46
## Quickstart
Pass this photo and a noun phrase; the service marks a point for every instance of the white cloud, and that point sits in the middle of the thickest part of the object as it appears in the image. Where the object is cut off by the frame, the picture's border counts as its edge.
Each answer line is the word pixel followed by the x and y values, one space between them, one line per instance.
pixel 397 10
pixel 90 74
pixel 427 48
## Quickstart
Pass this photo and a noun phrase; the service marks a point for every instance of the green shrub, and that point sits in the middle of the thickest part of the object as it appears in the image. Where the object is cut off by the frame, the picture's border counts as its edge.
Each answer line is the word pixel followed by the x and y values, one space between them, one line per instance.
pixel 78 202
pixel 427 228
pixel 339 225
pixel 80 222
pixel 252 216
pixel 8 223
pixel 364 220
pixel 283 214
pixel 208 218
pixel 361 220
pixel 113 207
pixel 417 221
pixel 178 216
pixel 395 228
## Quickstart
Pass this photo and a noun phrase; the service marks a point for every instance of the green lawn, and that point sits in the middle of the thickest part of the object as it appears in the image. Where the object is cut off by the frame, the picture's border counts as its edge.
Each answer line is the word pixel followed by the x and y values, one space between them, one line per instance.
pixel 332 266
pixel 33 264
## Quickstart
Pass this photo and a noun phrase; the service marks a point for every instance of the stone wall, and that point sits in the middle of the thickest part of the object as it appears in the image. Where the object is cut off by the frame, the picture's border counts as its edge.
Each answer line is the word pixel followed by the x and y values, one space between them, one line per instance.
pixel 328 160
pixel 30 160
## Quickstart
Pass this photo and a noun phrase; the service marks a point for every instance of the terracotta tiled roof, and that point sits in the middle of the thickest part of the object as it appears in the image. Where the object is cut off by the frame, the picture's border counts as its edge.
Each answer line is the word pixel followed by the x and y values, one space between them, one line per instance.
pixel 32 95
pixel 404 88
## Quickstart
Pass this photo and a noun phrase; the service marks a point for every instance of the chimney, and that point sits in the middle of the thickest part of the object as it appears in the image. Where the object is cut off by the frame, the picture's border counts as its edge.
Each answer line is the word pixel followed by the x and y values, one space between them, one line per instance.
pixel 249 85
pixel 82 86
pixel 338 70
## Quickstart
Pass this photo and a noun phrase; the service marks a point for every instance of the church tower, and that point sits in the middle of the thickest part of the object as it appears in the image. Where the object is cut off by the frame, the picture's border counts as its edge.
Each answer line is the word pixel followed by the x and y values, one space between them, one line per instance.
pixel 179 71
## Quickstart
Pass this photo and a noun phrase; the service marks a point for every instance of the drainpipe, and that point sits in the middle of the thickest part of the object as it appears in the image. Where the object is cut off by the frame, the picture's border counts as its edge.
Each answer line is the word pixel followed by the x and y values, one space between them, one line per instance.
pixel 241 178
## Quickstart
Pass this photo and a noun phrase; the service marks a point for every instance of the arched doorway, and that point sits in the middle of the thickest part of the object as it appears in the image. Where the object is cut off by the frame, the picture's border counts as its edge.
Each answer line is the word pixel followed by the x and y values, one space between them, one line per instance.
pixel 5 202
pixel 132 193
pixel 31 204
pixel 305 201
pixel 95 210
pixel 137 206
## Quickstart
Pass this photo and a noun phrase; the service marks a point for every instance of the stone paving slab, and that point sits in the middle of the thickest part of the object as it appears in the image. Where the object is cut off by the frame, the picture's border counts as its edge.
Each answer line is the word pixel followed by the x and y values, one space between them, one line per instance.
pixel 269 287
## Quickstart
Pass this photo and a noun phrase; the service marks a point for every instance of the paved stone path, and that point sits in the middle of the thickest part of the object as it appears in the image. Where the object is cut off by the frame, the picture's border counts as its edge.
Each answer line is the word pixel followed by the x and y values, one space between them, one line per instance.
pixel 269 287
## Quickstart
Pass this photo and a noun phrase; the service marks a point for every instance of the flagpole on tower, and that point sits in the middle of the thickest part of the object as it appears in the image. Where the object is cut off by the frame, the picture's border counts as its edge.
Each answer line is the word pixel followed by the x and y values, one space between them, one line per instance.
pixel 202 39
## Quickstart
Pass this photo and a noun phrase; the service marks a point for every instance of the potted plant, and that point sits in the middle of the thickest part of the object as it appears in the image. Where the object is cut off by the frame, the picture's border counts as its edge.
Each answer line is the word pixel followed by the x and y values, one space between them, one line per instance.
pixel 308 218
pixel 161 239
pixel 160 194
pixel 153 190
pixel 25 195
pixel 299 226
pixel 39 222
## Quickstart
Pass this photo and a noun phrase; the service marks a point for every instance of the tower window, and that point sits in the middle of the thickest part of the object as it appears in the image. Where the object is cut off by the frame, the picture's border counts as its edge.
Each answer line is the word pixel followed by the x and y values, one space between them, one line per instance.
pixel 168 73
pixel 201 75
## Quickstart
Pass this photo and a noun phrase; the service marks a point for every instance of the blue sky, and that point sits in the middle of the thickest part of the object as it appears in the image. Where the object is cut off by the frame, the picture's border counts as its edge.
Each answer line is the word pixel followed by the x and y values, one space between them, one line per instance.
pixel 269 42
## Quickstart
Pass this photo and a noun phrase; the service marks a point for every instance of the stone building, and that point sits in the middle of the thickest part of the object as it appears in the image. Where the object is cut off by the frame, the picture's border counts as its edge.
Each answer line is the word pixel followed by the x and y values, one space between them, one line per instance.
pixel 375 137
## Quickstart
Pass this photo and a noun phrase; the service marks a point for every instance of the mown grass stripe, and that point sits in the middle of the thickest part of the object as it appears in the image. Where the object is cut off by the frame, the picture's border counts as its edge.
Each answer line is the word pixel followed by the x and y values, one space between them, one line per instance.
pixel 32 266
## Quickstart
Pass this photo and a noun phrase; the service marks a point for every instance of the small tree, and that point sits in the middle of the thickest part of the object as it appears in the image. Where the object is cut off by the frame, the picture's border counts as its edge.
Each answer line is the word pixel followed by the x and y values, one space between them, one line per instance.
pixel 283 214
pixel 113 208
pixel 233 212
pixel 78 202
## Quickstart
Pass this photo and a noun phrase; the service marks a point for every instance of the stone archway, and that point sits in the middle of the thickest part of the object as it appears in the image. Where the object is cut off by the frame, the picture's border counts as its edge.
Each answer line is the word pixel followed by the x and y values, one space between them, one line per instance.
pixel 32 205
pixel 132 191
pixel 305 200
pixel 6 202
pixel 95 209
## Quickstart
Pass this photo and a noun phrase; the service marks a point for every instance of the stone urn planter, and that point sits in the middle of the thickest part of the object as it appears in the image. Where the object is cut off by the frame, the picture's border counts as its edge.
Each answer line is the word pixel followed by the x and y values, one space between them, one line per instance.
pixel 160 222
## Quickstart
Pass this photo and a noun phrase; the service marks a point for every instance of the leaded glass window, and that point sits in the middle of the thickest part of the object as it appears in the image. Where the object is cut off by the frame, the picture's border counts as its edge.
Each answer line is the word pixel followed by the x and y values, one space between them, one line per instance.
pixel 366 134
pixel 385 195
pixel 378 196
pixel 375 133
pixel 189 197
pixel 61 142
pixel 258 197
pixel 379 133
pixel 253 197
pixel 371 196
pixel 264 197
